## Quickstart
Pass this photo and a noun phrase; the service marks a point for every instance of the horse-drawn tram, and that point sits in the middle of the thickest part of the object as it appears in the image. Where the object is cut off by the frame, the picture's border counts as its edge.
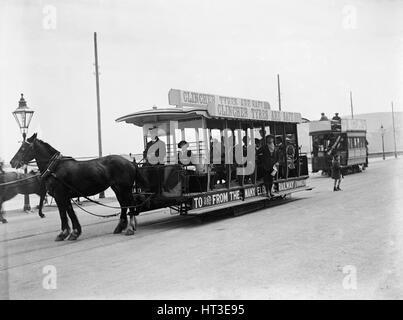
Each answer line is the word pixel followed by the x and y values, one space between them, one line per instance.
pixel 207 152
pixel 345 137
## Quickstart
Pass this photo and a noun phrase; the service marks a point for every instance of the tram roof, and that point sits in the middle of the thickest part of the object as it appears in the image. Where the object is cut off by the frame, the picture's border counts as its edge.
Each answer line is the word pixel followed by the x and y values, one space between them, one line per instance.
pixel 161 115
pixel 180 114
pixel 345 125
pixel 192 105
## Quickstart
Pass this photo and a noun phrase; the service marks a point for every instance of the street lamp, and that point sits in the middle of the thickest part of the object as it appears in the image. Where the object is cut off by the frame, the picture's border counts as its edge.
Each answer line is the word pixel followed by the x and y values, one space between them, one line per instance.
pixel 383 144
pixel 23 116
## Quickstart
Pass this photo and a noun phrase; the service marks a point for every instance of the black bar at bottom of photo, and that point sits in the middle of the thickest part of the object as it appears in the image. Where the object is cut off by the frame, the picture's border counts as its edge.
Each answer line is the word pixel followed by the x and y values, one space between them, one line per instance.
pixel 195 309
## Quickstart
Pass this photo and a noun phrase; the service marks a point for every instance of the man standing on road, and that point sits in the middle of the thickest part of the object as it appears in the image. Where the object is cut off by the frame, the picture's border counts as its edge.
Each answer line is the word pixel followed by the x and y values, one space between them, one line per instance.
pixel 336 172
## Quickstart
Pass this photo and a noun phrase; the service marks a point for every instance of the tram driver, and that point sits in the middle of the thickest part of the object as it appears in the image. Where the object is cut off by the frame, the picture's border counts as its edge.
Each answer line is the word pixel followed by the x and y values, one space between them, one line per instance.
pixel 155 150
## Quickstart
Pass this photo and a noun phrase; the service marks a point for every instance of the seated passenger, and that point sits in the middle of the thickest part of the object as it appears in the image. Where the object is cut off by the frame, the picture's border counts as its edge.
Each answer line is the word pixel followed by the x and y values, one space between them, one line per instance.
pixel 184 155
pixel 323 117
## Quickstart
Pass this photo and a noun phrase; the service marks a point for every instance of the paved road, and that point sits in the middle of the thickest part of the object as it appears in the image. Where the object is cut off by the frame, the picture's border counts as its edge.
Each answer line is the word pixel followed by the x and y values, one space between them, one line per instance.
pixel 321 244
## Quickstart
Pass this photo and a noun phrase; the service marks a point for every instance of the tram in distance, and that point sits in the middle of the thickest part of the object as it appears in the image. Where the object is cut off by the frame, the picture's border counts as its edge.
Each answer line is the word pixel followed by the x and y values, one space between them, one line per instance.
pixel 345 137
pixel 202 153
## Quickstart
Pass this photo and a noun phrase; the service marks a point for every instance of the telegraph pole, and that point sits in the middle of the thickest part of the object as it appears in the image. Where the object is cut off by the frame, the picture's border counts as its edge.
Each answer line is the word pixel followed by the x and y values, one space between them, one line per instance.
pixel 383 142
pixel 102 194
pixel 351 105
pixel 278 92
pixel 394 131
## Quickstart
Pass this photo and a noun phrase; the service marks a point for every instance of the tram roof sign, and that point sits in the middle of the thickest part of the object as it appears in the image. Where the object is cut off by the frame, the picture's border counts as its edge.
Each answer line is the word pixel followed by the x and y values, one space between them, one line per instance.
pixel 181 98
pixel 230 107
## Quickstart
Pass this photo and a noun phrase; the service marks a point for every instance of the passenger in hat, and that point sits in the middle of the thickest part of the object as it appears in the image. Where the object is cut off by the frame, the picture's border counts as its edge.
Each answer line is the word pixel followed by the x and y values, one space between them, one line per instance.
pixel 184 155
pixel 155 150
pixel 336 117
pixel 323 117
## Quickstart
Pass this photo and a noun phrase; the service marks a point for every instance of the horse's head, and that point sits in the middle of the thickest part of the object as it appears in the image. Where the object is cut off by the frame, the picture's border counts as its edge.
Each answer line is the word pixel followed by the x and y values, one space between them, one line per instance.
pixel 25 153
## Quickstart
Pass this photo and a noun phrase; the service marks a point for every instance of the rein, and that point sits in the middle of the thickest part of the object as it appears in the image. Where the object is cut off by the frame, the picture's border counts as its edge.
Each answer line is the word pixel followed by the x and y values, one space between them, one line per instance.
pixel 94 214
pixel 48 172
pixel 53 162
pixel 97 202
pixel 19 180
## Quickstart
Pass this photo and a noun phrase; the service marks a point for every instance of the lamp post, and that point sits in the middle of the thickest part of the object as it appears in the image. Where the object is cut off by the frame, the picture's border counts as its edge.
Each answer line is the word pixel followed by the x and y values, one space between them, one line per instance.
pixel 23 116
pixel 383 144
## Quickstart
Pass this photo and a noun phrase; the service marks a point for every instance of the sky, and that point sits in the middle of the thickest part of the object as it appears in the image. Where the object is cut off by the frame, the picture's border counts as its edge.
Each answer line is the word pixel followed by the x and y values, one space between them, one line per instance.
pixel 321 49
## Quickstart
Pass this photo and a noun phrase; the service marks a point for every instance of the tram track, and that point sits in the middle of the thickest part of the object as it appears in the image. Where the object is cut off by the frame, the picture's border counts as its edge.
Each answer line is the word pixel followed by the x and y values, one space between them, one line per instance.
pixel 119 239
pixel 146 230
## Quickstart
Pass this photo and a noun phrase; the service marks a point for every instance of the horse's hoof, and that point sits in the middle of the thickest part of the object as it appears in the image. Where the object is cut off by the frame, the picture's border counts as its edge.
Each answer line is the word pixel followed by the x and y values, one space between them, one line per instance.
pixel 74 235
pixel 42 215
pixel 129 232
pixel 117 230
pixel 62 235
pixel 4 221
pixel 122 225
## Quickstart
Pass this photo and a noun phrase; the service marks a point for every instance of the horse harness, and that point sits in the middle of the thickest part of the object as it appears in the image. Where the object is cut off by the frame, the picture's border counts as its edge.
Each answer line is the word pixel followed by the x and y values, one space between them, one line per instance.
pixel 53 163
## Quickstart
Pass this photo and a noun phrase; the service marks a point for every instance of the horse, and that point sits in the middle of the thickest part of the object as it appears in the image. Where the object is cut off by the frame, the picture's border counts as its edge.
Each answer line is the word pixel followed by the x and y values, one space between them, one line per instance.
pixel 67 178
pixel 13 183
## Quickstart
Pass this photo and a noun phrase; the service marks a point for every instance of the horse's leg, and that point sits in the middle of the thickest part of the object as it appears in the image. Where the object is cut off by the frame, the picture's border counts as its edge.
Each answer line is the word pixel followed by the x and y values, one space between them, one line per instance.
pixel 122 225
pixel 41 199
pixel 2 219
pixel 76 224
pixel 129 200
pixel 61 205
